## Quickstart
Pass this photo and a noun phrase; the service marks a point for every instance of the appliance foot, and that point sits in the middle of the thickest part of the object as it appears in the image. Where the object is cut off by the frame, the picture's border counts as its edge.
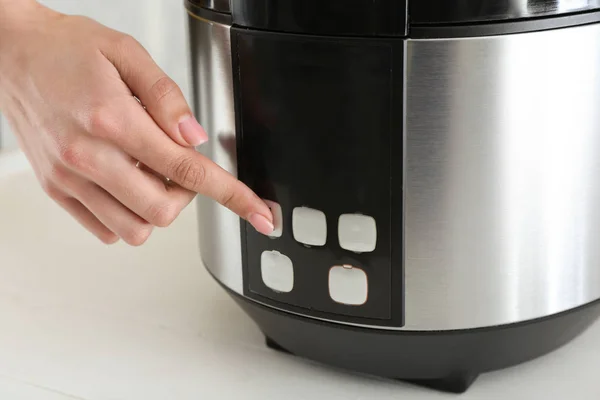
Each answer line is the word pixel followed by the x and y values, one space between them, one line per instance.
pixel 273 345
pixel 458 383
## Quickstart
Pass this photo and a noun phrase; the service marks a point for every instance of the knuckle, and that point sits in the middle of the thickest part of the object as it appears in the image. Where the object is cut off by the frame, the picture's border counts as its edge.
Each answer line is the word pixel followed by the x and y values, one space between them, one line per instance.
pixel 138 235
pixel 189 173
pixel 104 122
pixel 162 88
pixel 72 155
pixel 125 42
pixel 237 197
pixel 228 199
pixel 163 215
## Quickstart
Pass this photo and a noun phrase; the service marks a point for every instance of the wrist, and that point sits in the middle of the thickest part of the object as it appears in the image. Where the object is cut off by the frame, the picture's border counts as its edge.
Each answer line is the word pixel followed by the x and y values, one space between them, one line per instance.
pixel 11 11
pixel 21 14
pixel 16 17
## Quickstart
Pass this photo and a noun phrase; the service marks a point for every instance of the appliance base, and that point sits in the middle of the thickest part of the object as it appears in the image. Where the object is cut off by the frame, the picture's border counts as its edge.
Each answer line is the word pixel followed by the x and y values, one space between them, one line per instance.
pixel 448 361
pixel 458 383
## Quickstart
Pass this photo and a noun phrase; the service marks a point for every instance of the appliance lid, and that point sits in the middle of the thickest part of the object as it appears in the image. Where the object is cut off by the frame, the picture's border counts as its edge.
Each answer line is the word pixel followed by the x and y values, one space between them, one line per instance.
pixel 436 12
pixel 317 17
pixel 385 17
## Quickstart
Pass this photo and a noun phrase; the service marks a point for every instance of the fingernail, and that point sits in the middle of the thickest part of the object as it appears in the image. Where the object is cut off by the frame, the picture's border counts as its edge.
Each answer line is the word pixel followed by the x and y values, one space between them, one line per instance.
pixel 261 224
pixel 192 132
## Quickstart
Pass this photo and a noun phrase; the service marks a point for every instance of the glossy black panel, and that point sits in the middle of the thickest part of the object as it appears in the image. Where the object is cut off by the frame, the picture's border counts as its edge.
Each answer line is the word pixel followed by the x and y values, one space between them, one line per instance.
pixel 460 11
pixel 323 17
pixel 316 118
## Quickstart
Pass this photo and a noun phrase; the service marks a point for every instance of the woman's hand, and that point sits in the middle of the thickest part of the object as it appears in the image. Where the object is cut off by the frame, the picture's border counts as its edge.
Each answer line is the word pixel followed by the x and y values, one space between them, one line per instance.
pixel 67 87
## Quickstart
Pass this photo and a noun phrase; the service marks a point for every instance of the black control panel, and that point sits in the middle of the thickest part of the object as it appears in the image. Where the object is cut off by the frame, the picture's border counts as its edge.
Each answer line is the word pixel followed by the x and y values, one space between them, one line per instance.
pixel 319 127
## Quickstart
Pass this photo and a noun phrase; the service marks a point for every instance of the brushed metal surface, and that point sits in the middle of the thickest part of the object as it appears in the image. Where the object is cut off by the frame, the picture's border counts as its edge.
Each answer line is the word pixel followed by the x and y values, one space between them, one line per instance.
pixel 219 228
pixel 534 8
pixel 457 11
pixel 216 5
pixel 502 188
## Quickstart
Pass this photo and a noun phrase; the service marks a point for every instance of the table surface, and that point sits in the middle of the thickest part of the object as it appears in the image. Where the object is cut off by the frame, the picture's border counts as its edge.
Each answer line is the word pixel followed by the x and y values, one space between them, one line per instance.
pixel 80 320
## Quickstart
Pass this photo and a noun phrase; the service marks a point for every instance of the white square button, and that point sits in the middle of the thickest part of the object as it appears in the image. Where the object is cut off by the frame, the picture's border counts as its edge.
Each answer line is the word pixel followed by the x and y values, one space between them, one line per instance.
pixel 277 271
pixel 348 285
pixel 309 226
pixel 357 233
pixel 277 218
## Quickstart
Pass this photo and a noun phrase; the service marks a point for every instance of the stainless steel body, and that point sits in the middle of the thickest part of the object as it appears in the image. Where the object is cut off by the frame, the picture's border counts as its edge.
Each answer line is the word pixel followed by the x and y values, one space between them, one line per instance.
pixel 448 11
pixel 502 222
pixel 502 158
pixel 219 229
pixel 216 5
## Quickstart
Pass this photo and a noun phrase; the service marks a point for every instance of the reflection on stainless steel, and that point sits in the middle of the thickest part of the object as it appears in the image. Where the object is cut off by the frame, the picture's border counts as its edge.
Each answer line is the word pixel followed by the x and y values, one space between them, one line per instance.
pixel 502 216
pixel 457 11
pixel 217 5
pixel 214 107
pixel 532 8
pixel 520 8
pixel 535 7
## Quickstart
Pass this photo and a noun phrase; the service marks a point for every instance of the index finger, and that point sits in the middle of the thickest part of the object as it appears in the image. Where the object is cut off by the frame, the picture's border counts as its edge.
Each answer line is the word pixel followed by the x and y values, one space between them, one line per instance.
pixel 142 139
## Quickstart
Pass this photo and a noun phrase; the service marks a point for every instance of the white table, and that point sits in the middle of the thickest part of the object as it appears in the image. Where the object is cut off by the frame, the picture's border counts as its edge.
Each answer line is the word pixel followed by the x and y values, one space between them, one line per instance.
pixel 80 320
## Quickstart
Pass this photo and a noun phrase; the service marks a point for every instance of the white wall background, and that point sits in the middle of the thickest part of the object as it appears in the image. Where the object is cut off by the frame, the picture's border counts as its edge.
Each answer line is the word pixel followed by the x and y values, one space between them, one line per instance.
pixel 160 25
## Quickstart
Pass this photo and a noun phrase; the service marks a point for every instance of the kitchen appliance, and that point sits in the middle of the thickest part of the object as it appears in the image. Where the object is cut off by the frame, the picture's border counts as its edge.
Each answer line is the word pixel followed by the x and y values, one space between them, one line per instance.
pixel 433 167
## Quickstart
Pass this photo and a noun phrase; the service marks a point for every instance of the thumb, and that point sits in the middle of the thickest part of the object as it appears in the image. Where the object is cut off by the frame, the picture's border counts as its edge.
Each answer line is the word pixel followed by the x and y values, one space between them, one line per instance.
pixel 158 93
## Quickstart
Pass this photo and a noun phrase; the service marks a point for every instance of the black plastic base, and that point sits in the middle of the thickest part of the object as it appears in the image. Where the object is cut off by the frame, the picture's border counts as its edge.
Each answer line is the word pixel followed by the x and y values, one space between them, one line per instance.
pixel 458 383
pixel 453 384
pixel 449 361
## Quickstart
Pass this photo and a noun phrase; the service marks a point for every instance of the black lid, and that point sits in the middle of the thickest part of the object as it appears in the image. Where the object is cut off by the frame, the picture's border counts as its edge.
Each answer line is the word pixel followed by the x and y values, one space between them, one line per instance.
pixel 392 17
pixel 323 17
pixel 463 11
